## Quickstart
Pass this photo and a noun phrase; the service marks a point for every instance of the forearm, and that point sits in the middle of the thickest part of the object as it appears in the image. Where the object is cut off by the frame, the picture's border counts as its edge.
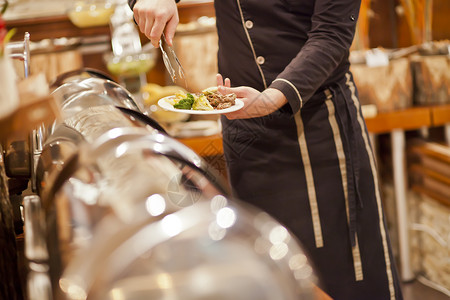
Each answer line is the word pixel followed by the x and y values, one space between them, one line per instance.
pixel 256 104
pixel 276 99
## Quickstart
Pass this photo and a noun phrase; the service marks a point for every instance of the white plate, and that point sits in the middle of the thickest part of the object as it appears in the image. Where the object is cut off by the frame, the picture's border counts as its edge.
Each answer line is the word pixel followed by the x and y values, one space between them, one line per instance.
pixel 163 103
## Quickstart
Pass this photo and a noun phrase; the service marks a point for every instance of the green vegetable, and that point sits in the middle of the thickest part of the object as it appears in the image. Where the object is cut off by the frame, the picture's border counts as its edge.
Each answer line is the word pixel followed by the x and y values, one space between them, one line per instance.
pixel 185 103
pixel 202 103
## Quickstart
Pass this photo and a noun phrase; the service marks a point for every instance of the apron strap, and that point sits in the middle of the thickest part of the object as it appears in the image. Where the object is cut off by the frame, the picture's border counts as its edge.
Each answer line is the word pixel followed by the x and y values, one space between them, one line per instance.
pixel 352 159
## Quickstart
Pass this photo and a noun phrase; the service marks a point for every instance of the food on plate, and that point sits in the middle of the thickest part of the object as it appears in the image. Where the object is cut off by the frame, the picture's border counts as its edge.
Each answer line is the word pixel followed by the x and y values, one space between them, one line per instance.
pixel 185 103
pixel 219 101
pixel 202 103
pixel 151 93
pixel 208 99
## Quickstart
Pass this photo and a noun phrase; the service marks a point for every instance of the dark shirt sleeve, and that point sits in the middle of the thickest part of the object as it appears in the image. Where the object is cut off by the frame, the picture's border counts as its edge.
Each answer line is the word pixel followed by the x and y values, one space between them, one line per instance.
pixel 131 3
pixel 329 40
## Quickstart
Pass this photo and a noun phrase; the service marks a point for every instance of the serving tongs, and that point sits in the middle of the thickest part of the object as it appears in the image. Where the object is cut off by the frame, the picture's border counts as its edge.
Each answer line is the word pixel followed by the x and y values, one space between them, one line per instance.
pixel 172 63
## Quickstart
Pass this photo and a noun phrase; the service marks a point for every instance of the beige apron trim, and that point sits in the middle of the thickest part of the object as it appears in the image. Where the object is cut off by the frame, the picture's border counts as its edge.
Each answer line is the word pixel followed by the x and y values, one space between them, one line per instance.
pixel 251 44
pixel 357 265
pixel 309 182
pixel 295 89
pixel 351 86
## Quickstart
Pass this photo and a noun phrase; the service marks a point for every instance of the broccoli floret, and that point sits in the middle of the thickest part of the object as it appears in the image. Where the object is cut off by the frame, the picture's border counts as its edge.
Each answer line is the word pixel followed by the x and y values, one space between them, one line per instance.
pixel 185 103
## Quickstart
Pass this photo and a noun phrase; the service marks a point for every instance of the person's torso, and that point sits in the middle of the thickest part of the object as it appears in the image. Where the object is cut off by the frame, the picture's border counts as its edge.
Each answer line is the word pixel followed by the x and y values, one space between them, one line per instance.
pixel 258 39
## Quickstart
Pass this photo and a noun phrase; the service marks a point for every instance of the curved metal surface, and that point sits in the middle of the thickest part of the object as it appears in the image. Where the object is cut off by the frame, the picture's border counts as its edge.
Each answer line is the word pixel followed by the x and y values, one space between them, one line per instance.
pixel 115 176
pixel 212 250
pixel 120 196
pixel 108 91
pixel 59 147
pixel 147 120
pixel 35 246
pixel 160 144
pixel 79 74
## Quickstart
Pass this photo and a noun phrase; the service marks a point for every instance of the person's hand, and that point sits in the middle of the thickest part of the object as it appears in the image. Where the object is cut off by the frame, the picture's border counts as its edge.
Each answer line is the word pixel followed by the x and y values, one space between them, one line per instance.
pixel 256 104
pixel 155 17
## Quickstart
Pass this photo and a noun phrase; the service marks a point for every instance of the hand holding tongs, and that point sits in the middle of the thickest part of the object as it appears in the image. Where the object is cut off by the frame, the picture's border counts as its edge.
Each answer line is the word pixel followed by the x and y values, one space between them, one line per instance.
pixel 172 63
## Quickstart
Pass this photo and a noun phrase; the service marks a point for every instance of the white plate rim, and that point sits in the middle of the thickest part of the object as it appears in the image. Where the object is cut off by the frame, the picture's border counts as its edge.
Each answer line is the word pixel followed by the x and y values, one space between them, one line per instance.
pixel 167 106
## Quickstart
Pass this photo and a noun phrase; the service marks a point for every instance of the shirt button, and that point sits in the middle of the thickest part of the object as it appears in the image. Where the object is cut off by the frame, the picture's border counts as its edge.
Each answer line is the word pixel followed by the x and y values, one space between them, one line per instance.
pixel 260 60
pixel 249 24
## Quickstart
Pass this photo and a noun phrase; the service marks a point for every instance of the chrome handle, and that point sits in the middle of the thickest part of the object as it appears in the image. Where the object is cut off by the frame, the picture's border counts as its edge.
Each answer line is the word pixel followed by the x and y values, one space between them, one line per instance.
pixel 35 245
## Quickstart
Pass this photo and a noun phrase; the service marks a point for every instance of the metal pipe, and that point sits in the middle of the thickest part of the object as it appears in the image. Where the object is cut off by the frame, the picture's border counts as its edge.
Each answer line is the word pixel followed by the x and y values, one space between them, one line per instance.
pixel 26 54
pixel 400 181
pixel 447 133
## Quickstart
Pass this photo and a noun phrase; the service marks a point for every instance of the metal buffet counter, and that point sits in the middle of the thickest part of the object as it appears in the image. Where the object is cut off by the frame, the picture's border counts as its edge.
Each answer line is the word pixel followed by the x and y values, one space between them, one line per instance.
pixel 121 210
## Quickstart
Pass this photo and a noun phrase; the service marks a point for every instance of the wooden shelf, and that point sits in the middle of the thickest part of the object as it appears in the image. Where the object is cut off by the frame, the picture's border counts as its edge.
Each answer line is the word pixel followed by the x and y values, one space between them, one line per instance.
pixel 432 194
pixel 408 119
pixel 205 145
pixel 192 10
pixel 440 115
pixel 35 112
pixel 433 150
pixel 53 27
pixel 58 26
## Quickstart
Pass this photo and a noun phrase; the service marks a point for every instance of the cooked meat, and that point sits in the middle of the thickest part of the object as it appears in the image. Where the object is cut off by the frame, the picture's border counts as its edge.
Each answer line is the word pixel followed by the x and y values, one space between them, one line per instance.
pixel 219 101
pixel 213 100
pixel 224 105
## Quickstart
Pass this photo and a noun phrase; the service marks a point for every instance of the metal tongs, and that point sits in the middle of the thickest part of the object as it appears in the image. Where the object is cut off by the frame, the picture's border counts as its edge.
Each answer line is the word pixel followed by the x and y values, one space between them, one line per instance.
pixel 172 63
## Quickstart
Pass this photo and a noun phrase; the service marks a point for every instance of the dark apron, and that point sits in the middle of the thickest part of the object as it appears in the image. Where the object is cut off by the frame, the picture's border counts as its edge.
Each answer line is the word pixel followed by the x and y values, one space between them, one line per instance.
pixel 266 169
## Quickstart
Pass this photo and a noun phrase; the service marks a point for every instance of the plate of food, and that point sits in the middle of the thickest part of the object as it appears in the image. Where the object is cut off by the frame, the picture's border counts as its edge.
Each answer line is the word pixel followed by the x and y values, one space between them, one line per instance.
pixel 208 102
